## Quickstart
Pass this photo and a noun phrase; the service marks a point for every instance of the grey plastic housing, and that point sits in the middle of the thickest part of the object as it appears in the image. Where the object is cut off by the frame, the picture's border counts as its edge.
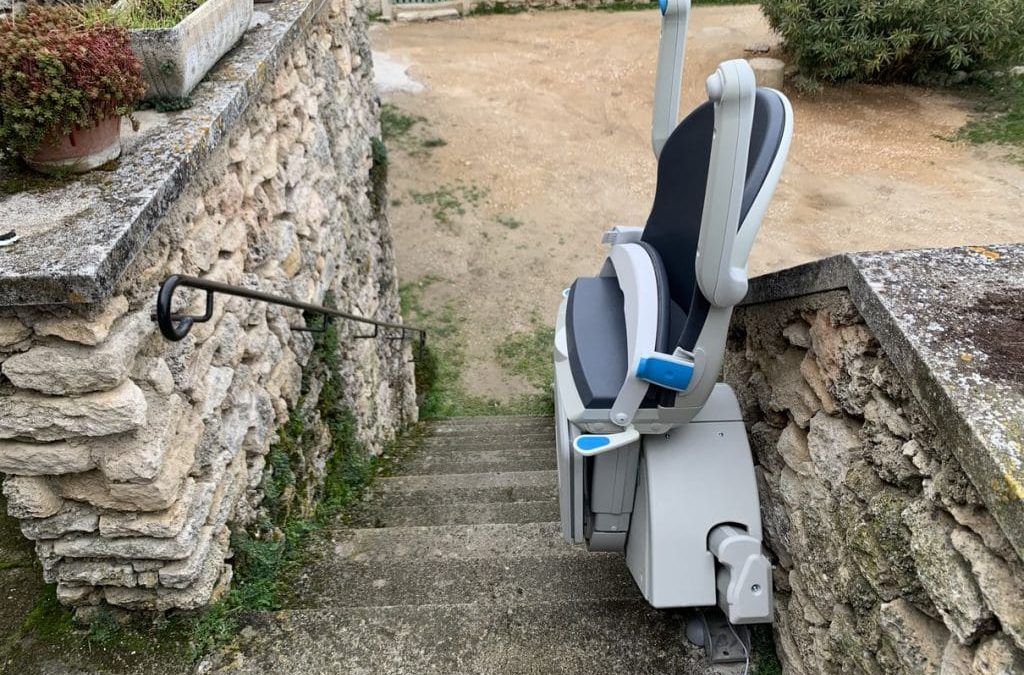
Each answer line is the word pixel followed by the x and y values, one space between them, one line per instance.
pixel 682 503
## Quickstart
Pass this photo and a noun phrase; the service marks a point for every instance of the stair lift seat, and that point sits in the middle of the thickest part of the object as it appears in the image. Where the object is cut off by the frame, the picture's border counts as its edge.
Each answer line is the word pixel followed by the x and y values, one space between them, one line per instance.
pixel 653 459
pixel 595 322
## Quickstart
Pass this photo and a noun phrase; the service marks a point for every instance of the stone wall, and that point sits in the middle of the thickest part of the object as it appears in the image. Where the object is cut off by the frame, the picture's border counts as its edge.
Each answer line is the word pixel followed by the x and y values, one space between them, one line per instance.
pixel 129 456
pixel 887 559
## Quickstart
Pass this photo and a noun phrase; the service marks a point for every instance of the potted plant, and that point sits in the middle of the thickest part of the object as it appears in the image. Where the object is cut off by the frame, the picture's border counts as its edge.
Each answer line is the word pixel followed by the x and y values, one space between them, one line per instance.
pixel 66 79
pixel 178 41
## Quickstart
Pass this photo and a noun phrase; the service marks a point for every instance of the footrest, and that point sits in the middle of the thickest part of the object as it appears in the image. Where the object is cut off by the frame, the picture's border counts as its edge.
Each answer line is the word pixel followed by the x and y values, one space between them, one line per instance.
pixel 589 445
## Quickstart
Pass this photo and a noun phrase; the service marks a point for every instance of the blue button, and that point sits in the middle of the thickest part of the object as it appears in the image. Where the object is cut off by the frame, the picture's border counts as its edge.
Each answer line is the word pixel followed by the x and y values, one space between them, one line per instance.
pixel 590 443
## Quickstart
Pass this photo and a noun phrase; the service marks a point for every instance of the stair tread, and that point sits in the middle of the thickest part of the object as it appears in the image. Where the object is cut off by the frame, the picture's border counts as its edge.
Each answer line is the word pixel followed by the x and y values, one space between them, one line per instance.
pixel 619 635
pixel 333 582
pixel 463 513
pixel 450 481
pixel 450 542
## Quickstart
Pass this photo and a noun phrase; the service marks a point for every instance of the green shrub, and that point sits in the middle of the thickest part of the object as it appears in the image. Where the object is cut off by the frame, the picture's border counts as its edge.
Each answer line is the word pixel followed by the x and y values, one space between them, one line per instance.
pixel 897 40
pixel 61 69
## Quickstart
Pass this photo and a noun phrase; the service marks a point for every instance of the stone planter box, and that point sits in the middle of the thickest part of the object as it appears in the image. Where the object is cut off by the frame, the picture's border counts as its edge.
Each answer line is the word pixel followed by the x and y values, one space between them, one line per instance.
pixel 174 60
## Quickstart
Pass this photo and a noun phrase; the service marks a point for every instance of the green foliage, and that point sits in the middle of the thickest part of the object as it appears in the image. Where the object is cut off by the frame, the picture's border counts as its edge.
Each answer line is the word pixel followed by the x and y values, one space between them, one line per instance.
pixel 167 104
pixel 529 354
pixel 438 372
pixel 379 176
pixel 449 201
pixel 410 133
pixel 104 630
pixel 1001 114
pixel 48 620
pixel 156 13
pixel 61 69
pixel 487 8
pixel 395 124
pixel 511 222
pixel 765 661
pixel 269 555
pixel 896 40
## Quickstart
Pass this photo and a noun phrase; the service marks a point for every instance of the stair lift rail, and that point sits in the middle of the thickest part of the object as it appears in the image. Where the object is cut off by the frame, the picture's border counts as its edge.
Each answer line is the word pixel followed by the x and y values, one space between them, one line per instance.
pixel 176 326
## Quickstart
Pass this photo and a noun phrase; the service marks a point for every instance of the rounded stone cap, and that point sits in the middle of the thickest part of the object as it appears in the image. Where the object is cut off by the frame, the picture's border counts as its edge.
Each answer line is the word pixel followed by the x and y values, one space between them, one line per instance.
pixel 768 71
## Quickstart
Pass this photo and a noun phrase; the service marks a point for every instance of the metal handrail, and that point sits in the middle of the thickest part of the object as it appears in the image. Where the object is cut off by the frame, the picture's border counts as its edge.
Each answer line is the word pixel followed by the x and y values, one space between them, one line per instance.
pixel 175 327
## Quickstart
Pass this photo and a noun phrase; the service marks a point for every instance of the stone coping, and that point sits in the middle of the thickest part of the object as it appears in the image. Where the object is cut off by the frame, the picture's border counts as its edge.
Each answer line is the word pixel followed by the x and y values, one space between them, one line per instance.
pixel 79 236
pixel 952 321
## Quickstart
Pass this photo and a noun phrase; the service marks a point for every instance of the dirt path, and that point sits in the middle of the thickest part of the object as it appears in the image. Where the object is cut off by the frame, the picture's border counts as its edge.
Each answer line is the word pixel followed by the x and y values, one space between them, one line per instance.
pixel 546 122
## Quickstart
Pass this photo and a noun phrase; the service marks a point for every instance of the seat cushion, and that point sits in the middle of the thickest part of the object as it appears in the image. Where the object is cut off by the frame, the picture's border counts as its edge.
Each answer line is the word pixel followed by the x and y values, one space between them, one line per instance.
pixel 596 334
pixel 595 327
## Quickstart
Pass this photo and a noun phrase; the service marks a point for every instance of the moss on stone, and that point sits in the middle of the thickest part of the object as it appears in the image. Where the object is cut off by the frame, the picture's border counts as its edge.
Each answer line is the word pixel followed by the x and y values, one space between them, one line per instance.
pixel 379 176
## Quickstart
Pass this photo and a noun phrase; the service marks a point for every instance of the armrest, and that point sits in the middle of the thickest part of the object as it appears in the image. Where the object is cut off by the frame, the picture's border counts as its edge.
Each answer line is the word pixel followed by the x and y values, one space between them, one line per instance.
pixel 732 88
pixel 639 282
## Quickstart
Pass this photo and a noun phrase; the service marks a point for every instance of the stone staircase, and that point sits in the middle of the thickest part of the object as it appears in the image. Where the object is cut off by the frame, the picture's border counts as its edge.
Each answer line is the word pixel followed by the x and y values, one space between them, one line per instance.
pixel 460 568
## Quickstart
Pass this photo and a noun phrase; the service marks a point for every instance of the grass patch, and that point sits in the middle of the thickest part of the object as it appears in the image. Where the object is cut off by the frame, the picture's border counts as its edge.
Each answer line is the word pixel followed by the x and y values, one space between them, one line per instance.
pixel 510 222
pixel 528 354
pixel 438 373
pixel 449 201
pixel 1000 118
pixel 395 125
pixel 407 132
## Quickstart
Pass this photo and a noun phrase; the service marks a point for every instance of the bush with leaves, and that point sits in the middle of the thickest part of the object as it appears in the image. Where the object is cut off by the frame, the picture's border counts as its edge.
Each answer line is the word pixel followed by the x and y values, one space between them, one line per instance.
pixel 61 69
pixel 897 40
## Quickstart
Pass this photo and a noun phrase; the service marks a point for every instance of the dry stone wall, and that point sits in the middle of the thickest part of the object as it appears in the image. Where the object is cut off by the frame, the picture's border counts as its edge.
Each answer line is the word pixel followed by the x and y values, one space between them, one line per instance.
pixel 887 560
pixel 128 456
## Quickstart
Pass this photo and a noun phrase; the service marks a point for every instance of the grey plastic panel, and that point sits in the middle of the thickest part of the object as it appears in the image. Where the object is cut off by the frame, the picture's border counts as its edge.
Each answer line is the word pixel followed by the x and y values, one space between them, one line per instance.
pixel 696 477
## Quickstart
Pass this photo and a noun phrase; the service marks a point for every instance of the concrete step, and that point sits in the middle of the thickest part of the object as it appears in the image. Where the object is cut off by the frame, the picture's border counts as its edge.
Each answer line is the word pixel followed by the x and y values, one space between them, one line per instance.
pixel 513 486
pixel 606 636
pixel 478 461
pixel 462 514
pixel 485 441
pixel 442 543
pixel 411 15
pixel 405 581
pixel 489 421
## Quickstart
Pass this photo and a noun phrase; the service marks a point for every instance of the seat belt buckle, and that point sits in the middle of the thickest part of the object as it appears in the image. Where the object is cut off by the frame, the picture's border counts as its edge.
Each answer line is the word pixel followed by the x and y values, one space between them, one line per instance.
pixel 671 371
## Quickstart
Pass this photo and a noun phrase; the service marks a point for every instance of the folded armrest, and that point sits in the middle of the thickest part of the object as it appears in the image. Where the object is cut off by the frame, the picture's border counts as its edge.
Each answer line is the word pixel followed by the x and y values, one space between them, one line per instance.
pixel 645 293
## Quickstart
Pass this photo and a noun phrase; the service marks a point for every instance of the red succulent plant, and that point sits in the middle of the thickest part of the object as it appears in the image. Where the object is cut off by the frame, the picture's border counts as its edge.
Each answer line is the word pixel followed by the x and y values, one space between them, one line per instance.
pixel 61 69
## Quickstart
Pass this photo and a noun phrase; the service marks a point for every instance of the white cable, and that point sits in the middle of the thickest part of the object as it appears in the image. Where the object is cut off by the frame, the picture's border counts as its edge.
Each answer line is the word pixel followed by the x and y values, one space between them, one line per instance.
pixel 746 652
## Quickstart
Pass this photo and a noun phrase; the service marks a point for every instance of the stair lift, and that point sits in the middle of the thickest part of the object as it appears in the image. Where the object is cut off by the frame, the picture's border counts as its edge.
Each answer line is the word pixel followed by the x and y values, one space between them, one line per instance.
pixel 653 459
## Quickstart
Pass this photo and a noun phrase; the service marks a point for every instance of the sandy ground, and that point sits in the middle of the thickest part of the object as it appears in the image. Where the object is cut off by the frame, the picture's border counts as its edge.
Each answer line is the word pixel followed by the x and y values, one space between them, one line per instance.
pixel 549 112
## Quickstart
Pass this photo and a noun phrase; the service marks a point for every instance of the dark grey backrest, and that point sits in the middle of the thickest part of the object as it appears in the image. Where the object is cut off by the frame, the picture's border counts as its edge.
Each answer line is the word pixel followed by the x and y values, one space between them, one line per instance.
pixel 673 227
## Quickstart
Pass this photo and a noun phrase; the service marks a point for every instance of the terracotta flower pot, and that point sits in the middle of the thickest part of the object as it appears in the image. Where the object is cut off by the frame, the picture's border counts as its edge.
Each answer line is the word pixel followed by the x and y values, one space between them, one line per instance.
pixel 80 151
